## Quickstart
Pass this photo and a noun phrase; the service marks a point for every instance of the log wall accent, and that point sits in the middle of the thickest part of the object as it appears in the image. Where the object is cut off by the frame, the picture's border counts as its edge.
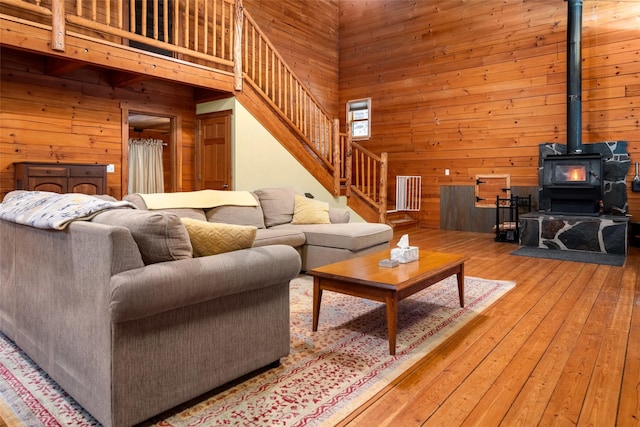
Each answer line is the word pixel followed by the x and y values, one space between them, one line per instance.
pixel 306 35
pixel 474 87
pixel 76 117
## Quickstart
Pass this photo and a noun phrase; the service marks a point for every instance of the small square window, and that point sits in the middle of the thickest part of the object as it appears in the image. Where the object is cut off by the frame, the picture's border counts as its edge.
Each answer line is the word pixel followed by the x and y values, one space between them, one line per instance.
pixel 359 116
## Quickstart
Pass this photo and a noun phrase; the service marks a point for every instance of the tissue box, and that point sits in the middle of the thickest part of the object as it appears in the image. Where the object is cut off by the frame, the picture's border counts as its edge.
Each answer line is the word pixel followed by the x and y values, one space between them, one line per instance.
pixel 405 255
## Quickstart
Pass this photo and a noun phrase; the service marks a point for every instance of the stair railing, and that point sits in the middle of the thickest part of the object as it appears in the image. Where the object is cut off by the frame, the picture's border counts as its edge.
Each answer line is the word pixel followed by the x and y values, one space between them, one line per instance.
pixel 367 177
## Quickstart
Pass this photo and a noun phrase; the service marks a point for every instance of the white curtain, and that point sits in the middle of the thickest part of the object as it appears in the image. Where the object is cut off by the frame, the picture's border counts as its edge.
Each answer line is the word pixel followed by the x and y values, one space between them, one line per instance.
pixel 145 166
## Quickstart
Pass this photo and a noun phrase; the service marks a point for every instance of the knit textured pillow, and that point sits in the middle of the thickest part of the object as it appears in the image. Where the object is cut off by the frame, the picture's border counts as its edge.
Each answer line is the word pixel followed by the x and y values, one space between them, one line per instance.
pixel 210 238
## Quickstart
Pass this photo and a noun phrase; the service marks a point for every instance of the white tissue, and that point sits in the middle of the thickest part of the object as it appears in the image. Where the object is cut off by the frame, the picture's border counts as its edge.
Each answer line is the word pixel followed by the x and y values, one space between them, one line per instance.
pixel 404 241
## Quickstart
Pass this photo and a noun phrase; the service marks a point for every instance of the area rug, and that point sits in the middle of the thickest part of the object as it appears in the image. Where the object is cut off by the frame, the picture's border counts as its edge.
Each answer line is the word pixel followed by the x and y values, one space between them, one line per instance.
pixel 327 374
pixel 577 256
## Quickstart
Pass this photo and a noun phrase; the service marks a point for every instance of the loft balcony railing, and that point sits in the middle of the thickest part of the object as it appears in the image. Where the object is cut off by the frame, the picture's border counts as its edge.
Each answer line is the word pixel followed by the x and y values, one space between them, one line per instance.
pixel 198 31
pixel 221 35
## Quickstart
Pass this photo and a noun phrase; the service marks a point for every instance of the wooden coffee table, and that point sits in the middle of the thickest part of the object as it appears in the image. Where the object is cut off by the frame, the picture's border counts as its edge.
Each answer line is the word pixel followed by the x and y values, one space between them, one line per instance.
pixel 363 277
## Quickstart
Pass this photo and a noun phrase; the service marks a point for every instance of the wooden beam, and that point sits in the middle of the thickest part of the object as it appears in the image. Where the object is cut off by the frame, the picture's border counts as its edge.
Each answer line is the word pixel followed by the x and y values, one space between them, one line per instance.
pixel 114 56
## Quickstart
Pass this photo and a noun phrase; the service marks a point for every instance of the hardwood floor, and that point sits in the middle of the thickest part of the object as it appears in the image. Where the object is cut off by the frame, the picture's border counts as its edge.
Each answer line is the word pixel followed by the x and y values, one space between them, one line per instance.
pixel 562 348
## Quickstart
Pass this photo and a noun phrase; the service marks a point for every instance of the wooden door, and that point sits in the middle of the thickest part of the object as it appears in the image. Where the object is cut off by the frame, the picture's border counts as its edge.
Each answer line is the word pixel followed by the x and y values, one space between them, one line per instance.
pixel 214 151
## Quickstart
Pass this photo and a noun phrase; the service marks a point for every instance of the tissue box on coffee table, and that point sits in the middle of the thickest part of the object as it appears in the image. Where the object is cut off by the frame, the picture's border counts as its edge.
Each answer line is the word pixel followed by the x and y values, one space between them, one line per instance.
pixel 405 255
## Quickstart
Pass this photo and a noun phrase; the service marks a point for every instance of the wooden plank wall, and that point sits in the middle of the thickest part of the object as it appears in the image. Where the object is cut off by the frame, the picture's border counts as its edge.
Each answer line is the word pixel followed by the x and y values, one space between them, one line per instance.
pixel 475 86
pixel 306 35
pixel 76 118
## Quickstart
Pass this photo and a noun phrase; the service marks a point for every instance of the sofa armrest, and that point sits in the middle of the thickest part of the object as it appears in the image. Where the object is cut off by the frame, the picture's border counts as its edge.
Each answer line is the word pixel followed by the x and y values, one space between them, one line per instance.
pixel 339 215
pixel 169 285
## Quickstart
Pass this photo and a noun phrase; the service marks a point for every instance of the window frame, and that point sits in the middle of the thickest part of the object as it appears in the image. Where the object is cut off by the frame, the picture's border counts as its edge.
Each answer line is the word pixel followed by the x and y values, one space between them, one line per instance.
pixel 359 105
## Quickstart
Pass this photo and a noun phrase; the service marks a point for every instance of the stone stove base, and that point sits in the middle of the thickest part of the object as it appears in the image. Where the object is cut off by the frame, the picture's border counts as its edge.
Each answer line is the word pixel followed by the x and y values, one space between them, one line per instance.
pixel 605 233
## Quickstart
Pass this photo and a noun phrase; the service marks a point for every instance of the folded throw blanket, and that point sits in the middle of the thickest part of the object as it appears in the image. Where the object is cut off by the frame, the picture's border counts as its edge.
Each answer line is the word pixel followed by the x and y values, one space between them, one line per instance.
pixel 201 199
pixel 42 209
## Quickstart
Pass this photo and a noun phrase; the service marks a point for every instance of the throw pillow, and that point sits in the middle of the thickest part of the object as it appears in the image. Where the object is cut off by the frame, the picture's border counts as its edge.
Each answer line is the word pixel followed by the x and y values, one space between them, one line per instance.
pixel 277 205
pixel 209 238
pixel 309 211
pixel 160 236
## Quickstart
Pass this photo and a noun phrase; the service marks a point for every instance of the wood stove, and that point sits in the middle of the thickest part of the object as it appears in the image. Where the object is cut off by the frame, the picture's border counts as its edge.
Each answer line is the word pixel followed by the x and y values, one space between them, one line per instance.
pixel 572 184
pixel 573 181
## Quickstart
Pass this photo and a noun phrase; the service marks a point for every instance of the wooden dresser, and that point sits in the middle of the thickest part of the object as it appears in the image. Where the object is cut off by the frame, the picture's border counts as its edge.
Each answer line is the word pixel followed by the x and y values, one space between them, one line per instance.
pixel 61 177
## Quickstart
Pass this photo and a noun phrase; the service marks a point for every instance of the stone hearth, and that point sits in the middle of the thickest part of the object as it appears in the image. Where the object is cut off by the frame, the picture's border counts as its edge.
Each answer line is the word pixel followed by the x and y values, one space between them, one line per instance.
pixel 604 234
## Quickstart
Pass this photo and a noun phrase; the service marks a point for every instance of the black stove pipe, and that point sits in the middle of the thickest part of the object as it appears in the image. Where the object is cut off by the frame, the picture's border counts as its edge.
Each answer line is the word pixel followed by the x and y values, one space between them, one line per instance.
pixel 574 77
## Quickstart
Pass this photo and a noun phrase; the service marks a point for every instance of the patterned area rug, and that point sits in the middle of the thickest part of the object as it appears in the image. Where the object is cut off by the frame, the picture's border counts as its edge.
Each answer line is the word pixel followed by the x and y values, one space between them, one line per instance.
pixel 327 375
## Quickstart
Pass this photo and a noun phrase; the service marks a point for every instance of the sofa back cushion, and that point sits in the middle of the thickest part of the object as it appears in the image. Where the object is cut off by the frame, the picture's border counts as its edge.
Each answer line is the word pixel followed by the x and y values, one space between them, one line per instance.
pixel 194 213
pixel 160 236
pixel 240 215
pixel 277 205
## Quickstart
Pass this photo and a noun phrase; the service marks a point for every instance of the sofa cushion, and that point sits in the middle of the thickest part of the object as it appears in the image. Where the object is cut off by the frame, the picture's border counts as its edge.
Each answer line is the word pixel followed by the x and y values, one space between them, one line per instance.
pixel 210 238
pixel 194 213
pixel 160 236
pixel 353 236
pixel 277 236
pixel 277 205
pixel 240 215
pixel 310 211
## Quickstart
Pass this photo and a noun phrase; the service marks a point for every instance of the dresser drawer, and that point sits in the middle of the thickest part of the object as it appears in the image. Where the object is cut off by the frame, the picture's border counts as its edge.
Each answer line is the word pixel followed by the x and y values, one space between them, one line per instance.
pixel 46 171
pixel 79 171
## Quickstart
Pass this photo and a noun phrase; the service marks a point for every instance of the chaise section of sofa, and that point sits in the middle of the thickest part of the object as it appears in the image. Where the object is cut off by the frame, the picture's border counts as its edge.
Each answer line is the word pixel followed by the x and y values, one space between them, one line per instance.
pixel 130 335
pixel 328 238
pixel 329 243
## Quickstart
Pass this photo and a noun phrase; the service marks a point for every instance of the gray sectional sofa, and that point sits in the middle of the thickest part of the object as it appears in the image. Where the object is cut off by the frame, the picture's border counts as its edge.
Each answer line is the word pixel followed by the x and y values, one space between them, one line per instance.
pixel 118 312
pixel 318 244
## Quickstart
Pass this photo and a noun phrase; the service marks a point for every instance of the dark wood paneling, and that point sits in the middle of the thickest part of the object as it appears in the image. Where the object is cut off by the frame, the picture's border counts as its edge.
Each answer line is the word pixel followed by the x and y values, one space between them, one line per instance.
pixel 474 87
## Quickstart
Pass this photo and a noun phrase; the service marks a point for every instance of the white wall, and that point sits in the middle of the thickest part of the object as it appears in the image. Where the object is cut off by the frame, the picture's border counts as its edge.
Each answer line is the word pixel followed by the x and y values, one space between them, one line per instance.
pixel 260 161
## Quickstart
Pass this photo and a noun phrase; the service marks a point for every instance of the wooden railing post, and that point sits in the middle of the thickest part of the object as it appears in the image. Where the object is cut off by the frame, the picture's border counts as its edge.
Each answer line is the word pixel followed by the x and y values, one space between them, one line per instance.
pixel 348 159
pixel 337 166
pixel 57 25
pixel 237 45
pixel 383 187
